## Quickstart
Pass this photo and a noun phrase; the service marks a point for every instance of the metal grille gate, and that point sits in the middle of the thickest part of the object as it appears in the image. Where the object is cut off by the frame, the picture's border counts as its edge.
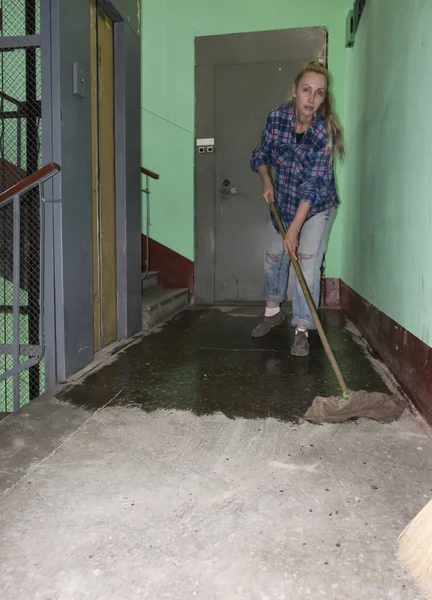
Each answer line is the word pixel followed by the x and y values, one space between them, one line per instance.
pixel 21 217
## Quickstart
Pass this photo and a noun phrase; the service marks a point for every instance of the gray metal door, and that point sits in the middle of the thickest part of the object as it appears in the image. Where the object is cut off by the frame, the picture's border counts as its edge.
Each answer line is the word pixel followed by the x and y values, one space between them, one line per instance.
pixel 244 95
pixel 239 80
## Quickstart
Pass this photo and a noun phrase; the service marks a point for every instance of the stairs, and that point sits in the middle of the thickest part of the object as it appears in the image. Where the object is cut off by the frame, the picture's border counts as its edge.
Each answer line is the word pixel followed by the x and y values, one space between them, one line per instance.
pixel 160 304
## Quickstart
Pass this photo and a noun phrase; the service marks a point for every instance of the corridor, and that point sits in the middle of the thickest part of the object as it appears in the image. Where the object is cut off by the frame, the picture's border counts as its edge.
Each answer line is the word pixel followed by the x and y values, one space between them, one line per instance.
pixel 181 468
pixel 150 447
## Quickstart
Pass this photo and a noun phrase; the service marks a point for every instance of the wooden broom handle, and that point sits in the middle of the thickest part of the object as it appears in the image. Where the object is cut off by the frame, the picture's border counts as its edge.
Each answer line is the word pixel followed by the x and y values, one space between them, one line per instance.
pixel 311 304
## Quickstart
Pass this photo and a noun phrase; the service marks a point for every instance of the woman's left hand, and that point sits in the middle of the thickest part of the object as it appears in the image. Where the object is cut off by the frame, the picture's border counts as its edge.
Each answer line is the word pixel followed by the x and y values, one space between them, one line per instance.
pixel 291 242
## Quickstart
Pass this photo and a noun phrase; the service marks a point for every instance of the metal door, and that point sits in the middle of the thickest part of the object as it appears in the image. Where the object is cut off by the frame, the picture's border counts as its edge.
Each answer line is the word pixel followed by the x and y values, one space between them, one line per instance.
pixel 244 95
pixel 239 80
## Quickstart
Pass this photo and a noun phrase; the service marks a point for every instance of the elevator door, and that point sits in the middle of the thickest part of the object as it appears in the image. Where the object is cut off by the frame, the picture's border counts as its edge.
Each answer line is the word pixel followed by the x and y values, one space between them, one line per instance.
pixel 103 176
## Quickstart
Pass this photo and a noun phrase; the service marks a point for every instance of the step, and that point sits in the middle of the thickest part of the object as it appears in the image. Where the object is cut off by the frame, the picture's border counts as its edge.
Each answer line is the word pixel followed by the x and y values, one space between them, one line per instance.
pixel 161 304
pixel 150 280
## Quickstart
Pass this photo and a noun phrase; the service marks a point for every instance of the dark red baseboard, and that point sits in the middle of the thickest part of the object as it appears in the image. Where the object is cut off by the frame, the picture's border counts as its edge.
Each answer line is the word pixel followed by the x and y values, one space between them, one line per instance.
pixel 330 292
pixel 175 271
pixel 409 359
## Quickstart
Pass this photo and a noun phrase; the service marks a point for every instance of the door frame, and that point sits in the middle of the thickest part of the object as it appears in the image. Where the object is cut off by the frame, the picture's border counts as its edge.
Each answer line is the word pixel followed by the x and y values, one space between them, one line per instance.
pixel 69 335
pixel 224 50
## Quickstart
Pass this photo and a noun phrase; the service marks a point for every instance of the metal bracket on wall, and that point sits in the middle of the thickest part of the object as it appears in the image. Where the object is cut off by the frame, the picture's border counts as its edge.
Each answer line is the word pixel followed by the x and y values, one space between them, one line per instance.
pixel 78 80
pixel 353 21
pixel 350 30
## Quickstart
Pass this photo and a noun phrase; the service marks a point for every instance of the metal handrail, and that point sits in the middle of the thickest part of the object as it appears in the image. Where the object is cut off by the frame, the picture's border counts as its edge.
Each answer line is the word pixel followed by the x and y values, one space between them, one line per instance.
pixel 149 173
pixel 30 181
pixel 34 350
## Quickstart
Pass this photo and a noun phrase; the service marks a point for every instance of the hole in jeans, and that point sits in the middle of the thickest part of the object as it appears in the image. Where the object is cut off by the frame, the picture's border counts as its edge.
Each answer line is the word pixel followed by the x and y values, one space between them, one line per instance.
pixel 275 257
pixel 305 256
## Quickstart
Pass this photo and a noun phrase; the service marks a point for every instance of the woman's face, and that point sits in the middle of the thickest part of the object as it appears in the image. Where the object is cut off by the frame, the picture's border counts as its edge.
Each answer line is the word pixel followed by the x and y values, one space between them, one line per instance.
pixel 310 94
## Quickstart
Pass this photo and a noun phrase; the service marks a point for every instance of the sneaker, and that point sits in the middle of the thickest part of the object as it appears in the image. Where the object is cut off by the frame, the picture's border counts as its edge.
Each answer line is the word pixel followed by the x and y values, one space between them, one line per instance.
pixel 266 323
pixel 301 344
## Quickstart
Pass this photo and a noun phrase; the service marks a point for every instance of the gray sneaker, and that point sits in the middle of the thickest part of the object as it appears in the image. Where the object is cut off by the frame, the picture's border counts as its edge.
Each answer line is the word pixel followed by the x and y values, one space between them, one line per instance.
pixel 301 344
pixel 266 323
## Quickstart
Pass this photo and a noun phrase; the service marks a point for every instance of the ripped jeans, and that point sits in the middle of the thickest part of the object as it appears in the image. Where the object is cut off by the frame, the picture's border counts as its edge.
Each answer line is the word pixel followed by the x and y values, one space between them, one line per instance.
pixel 312 245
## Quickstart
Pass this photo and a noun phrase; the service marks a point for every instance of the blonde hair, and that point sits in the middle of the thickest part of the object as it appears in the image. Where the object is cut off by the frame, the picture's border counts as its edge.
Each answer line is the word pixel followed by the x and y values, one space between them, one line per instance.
pixel 332 124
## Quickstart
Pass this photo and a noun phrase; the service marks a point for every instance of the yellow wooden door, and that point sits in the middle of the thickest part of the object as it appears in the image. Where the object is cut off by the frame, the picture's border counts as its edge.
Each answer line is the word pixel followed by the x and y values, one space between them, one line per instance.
pixel 103 178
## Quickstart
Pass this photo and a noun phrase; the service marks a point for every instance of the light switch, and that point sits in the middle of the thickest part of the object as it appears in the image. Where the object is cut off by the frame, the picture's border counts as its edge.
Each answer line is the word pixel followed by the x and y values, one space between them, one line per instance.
pixel 78 80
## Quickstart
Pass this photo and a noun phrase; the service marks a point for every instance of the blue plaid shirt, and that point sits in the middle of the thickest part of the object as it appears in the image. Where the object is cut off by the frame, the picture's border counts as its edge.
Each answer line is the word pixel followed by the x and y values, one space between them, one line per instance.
pixel 303 172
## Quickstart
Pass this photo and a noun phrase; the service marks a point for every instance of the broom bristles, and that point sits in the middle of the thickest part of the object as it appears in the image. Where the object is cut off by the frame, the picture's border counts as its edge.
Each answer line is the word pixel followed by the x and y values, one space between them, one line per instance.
pixel 414 549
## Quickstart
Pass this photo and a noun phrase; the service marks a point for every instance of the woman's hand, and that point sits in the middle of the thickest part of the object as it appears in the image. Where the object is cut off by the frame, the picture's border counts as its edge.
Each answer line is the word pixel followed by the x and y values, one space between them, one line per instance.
pixel 291 242
pixel 268 191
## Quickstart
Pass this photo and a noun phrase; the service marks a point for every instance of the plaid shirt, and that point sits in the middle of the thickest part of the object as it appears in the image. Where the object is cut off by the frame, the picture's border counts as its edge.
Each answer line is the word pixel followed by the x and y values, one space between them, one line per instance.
pixel 303 172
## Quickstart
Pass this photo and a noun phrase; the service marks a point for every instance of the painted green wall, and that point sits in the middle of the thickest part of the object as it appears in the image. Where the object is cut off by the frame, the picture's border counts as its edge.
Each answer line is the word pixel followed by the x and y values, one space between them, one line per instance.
pixel 387 219
pixel 168 31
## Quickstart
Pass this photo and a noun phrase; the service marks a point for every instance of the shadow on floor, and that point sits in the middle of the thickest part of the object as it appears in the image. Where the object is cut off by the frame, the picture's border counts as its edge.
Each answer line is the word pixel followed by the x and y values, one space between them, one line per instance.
pixel 206 361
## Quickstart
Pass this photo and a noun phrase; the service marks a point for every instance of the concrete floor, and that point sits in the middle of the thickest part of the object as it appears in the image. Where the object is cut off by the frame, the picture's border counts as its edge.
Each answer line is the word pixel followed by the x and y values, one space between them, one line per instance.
pixel 176 471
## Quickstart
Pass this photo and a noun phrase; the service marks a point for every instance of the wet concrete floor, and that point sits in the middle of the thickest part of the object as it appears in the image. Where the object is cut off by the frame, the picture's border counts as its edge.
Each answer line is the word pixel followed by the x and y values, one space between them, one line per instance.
pixel 139 502
pixel 205 361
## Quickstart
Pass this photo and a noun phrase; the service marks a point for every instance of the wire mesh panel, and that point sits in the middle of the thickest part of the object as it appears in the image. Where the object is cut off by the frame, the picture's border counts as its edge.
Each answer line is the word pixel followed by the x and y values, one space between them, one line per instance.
pixel 20 156
pixel 21 347
pixel 20 92
pixel 6 301
pixel 14 14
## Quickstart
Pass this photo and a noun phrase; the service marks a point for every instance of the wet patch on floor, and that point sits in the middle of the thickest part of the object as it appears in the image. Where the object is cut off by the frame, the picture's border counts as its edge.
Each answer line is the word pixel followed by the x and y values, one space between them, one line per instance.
pixel 205 361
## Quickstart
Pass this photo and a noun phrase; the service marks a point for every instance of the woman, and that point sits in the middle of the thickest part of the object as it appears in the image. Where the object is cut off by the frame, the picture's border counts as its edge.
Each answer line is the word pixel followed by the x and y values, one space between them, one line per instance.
pixel 299 141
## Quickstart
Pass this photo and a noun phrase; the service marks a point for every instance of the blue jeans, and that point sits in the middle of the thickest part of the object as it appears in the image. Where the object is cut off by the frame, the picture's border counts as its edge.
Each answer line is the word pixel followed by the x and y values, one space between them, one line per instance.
pixel 312 245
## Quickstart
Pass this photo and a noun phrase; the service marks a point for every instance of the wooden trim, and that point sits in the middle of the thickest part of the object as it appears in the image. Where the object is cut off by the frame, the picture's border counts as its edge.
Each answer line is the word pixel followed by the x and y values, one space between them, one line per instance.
pixel 107 195
pixel 409 359
pixel 149 173
pixel 95 179
pixel 43 173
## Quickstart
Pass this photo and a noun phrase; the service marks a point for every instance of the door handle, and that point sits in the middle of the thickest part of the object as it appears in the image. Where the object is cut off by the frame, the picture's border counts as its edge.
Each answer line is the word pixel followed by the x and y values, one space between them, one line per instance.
pixel 226 190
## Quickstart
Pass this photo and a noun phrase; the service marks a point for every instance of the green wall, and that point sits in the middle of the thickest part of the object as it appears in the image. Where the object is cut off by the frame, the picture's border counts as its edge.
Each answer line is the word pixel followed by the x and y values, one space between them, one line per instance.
pixel 387 218
pixel 168 31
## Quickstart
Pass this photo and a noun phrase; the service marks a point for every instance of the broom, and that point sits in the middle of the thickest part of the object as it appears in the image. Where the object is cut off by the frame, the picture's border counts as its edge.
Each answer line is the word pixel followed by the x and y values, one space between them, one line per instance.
pixel 349 405
pixel 414 549
pixel 313 310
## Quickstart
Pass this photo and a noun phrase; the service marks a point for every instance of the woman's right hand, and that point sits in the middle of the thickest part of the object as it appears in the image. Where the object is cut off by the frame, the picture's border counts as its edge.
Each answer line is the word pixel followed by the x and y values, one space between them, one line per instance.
pixel 268 191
